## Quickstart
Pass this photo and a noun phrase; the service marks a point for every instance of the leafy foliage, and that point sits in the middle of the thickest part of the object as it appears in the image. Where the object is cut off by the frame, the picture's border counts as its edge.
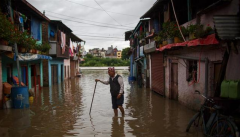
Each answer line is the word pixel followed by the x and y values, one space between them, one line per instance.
pixel 11 33
pixel 101 62
pixel 125 53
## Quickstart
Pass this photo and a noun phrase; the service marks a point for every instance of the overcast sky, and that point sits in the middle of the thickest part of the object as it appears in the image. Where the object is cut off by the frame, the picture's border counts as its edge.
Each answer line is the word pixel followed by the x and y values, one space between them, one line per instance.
pixel 94 23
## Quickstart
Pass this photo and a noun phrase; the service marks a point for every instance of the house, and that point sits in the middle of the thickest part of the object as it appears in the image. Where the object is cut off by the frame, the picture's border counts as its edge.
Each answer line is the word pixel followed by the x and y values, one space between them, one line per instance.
pixel 74 56
pixel 199 62
pixel 111 52
pixel 119 54
pixel 27 19
pixel 96 52
pixel 59 39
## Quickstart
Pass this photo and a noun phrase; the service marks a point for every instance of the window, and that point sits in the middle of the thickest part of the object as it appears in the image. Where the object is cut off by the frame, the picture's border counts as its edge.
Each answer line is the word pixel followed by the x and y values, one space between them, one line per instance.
pixel 192 67
pixel 9 73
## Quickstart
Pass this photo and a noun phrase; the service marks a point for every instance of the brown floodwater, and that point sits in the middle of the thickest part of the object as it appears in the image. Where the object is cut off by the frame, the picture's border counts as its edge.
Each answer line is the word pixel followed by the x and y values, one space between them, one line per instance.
pixel 63 110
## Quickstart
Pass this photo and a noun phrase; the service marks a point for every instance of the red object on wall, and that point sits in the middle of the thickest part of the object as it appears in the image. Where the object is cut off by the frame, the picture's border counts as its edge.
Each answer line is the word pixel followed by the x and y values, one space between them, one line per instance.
pixel 209 40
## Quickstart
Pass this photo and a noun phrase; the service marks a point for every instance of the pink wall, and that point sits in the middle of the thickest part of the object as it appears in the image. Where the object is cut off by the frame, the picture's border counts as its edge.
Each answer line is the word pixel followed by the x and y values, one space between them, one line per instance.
pixel 68 70
pixel 186 93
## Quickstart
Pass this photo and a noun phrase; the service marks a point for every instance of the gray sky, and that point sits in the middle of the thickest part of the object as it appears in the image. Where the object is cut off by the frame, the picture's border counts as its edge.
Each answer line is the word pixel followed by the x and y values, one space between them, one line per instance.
pixel 80 14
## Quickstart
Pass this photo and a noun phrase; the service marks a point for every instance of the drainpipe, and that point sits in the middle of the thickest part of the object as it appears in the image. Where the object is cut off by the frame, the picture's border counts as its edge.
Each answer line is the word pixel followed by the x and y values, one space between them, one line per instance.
pixel 206 76
pixel 18 66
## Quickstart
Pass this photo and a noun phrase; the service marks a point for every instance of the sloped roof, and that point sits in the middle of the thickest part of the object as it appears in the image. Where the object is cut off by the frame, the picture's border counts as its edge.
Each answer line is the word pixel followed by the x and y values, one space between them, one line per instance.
pixel 25 8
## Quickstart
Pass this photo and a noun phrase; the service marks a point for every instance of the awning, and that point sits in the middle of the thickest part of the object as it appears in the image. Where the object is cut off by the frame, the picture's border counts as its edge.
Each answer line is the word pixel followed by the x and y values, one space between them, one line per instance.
pixel 209 40
pixel 30 57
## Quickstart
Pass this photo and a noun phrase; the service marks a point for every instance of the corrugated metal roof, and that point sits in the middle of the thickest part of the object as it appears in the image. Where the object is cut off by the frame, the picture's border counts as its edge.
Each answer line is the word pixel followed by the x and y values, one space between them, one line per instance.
pixel 227 27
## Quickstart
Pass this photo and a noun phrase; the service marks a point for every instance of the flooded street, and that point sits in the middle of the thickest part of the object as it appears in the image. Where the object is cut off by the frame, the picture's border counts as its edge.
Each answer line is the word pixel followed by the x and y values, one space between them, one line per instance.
pixel 63 110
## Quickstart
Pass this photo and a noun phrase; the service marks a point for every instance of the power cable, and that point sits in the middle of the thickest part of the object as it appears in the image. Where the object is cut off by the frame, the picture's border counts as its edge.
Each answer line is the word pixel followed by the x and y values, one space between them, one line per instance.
pixel 100 9
pixel 88 23
pixel 79 18
pixel 98 36
pixel 107 12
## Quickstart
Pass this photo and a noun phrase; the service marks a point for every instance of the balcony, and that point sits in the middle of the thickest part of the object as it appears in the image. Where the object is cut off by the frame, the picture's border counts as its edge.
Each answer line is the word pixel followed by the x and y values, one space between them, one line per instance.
pixel 5 48
pixel 56 50
pixel 151 47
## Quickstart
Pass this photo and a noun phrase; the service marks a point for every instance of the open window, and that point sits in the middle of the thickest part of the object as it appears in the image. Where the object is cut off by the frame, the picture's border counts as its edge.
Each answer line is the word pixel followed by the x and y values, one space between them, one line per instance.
pixel 192 67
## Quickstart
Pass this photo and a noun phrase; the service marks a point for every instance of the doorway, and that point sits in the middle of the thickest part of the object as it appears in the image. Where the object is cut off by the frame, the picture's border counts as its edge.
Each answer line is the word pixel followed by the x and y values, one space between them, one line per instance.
pixel 174 81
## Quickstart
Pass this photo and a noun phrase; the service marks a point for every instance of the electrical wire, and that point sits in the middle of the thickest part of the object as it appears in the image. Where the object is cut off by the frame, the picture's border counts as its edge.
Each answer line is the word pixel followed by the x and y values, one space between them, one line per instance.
pixel 177 21
pixel 101 9
pixel 98 36
pixel 81 18
pixel 107 12
pixel 88 23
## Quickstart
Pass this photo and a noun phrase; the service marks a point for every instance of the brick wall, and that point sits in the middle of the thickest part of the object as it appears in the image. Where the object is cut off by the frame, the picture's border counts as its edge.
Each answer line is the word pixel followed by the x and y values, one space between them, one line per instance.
pixel 1 87
pixel 45 73
pixel 45 31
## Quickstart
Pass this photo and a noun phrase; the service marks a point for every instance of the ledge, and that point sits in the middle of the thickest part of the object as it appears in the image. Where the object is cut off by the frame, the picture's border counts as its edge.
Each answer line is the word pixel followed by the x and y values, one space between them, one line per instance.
pixel 5 48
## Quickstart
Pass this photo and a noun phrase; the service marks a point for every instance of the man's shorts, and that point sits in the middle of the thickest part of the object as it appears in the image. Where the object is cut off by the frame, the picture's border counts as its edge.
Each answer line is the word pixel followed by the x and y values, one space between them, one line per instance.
pixel 117 102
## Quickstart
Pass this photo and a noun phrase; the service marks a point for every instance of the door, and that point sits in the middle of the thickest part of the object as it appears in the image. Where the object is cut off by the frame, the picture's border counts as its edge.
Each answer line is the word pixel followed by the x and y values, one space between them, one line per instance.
pixel 174 81
pixel 33 77
pixel 24 74
pixel 54 74
pixel 62 73
pixel 217 68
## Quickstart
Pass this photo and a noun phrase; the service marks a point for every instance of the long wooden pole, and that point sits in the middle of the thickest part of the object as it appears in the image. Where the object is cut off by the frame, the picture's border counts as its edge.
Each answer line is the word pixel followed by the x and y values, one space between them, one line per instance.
pixel 93 98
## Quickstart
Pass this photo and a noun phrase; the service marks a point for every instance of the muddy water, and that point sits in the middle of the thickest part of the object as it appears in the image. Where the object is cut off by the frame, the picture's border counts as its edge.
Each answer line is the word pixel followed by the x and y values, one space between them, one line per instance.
pixel 63 110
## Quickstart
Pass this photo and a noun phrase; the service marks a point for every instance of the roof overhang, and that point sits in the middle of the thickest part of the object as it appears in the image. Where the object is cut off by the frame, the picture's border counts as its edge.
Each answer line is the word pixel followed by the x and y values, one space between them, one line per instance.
pixel 26 8
pixel 75 38
pixel 154 8
pixel 61 25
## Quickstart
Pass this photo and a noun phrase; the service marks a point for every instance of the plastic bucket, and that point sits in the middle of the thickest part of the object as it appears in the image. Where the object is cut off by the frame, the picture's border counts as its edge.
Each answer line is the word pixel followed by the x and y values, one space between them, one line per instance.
pixel 20 97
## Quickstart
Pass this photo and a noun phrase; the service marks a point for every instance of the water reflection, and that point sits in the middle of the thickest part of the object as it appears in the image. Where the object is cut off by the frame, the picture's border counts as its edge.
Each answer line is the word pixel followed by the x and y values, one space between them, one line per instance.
pixel 63 110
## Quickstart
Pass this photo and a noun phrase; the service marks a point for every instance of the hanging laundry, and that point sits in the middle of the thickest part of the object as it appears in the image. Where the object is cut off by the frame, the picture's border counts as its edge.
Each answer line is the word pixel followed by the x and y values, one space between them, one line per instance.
pixel 71 47
pixel 63 42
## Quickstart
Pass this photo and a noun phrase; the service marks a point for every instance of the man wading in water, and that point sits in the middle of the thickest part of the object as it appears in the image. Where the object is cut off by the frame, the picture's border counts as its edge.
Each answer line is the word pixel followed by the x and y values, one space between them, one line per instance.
pixel 116 89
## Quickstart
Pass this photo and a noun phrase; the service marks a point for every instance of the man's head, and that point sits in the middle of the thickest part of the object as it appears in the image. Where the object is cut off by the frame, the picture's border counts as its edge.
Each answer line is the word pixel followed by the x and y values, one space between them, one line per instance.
pixel 111 71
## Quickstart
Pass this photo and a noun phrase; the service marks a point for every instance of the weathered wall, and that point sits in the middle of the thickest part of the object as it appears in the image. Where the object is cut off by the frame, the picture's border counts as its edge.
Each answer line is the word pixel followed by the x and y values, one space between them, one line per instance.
pixel 185 92
pixel 233 66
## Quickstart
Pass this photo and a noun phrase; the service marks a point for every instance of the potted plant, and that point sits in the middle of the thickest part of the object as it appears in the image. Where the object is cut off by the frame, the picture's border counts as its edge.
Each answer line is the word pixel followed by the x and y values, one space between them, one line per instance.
pixel 170 29
pixel 185 33
pixel 192 30
pixel 200 33
pixel 209 30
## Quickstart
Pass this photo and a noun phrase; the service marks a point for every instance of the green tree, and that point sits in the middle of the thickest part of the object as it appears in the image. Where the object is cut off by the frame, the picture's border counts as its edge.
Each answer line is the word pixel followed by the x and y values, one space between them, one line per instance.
pixel 125 53
pixel 101 62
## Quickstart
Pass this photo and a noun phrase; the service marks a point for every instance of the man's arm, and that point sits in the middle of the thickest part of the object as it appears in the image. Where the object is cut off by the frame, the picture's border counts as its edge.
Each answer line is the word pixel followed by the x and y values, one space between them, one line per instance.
pixel 120 81
pixel 104 82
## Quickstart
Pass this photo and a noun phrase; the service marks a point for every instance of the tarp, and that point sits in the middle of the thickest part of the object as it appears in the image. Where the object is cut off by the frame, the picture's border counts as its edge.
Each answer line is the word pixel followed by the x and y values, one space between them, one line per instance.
pixel 30 57
pixel 209 40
